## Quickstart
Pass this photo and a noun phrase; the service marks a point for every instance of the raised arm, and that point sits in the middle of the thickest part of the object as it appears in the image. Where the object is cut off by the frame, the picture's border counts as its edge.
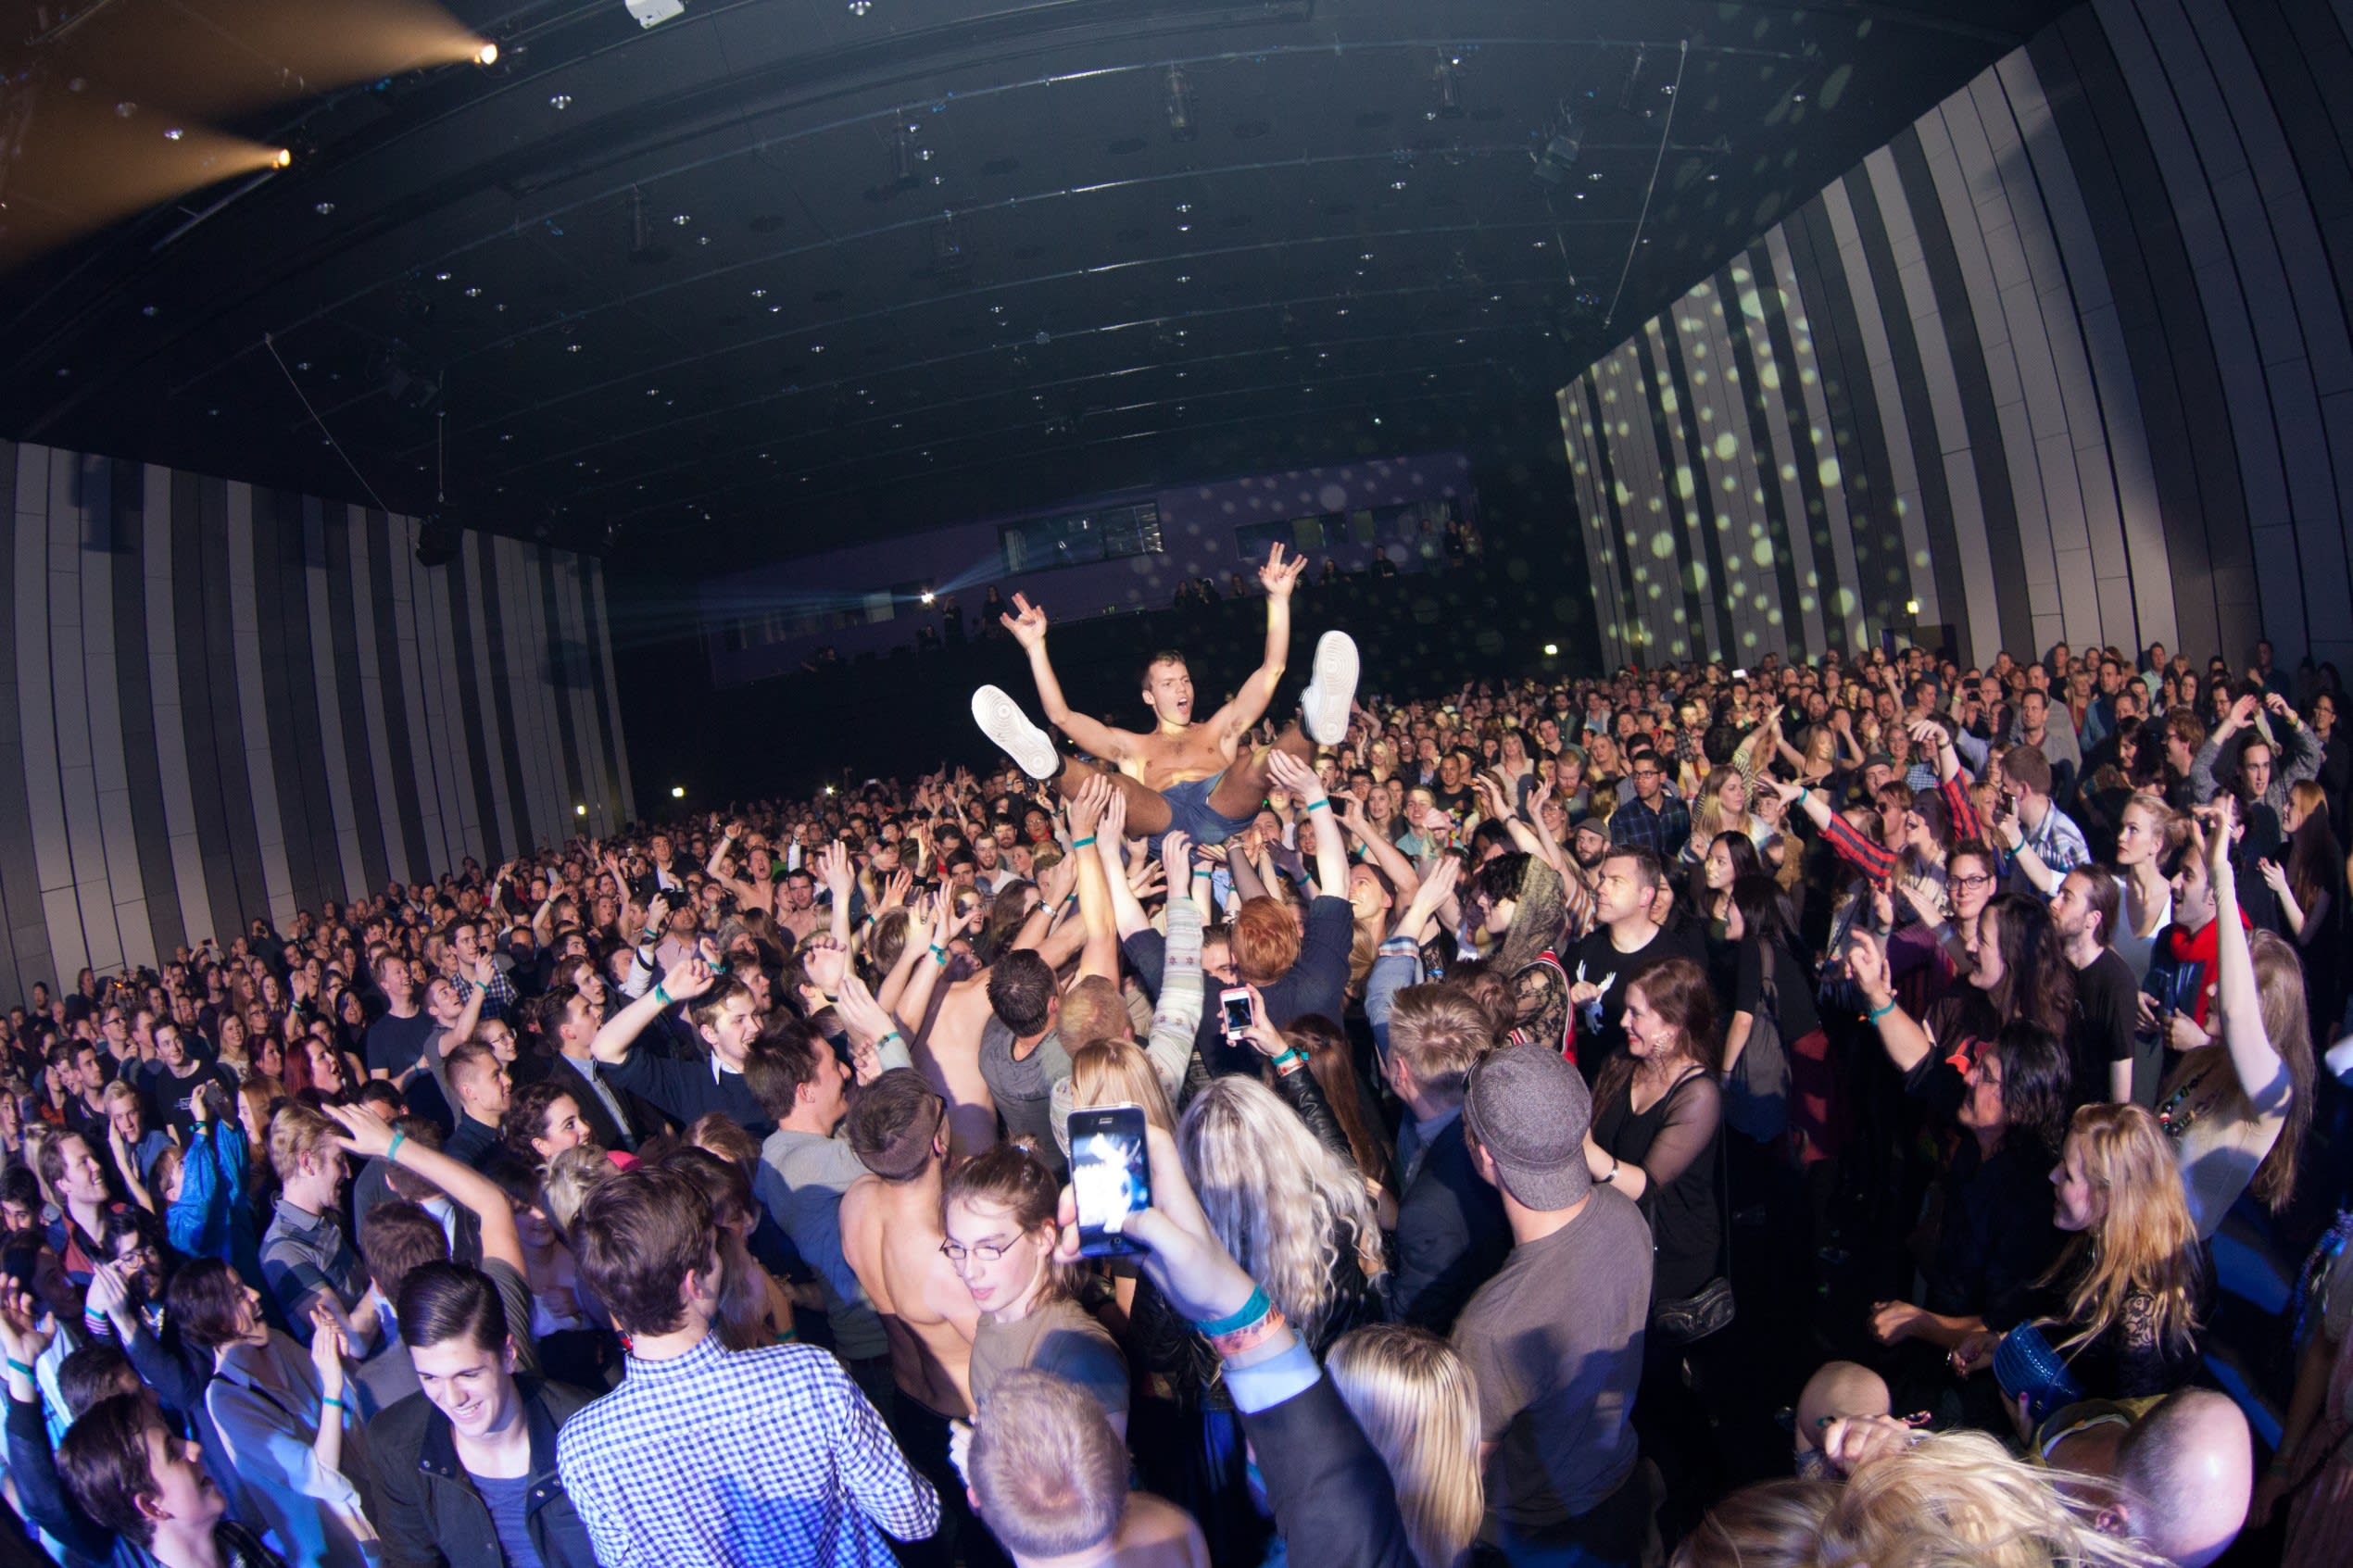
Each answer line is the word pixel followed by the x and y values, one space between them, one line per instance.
pixel 365 1133
pixel 1111 845
pixel 1029 628
pixel 688 979
pixel 2264 1076
pixel 1393 862
pixel 833 870
pixel 1332 849
pixel 1906 1043
pixel 1250 703
pixel 1101 953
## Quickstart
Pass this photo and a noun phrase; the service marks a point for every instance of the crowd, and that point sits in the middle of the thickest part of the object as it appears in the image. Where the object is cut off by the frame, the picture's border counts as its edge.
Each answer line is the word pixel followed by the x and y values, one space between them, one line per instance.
pixel 702 1197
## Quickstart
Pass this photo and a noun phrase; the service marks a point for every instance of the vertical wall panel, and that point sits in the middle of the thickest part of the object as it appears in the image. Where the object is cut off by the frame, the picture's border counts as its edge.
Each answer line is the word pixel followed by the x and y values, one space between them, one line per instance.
pixel 496 755
pixel 83 899
pixel 244 612
pixel 193 908
pixel 24 930
pixel 350 876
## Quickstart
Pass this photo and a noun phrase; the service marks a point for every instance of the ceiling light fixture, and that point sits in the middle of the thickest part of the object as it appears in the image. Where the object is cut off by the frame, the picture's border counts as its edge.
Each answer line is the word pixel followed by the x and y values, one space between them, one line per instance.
pixel 284 158
pixel 1563 143
pixel 1450 88
pixel 860 8
pixel 653 13
pixel 1180 106
pixel 560 102
pixel 173 134
pixel 487 54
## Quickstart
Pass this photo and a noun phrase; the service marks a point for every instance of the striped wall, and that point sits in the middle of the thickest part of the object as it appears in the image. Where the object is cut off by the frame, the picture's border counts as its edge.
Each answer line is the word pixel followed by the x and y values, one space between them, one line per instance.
pixel 219 701
pixel 2069 359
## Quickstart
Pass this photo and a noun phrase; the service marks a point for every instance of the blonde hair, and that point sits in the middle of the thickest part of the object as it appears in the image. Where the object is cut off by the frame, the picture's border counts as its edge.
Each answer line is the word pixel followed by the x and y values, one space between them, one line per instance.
pixel 1282 1203
pixel 1708 815
pixel 1050 1475
pixel 2145 1244
pixel 572 1174
pixel 1418 1406
pixel 1957 1499
pixel 1118 1073
pixel 295 1132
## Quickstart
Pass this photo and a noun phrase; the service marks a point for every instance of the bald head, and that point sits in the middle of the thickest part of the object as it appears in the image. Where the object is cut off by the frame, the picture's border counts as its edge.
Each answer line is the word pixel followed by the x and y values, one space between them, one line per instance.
pixel 1839 1389
pixel 2185 1472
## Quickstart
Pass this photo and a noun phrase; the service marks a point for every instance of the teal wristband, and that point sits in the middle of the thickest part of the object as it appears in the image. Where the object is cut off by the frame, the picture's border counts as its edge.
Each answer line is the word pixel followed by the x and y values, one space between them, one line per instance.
pixel 939 952
pixel 1323 805
pixel 661 993
pixel 1878 1012
pixel 392 1154
pixel 331 1399
pixel 1251 1311
pixel 15 1365
pixel 1082 842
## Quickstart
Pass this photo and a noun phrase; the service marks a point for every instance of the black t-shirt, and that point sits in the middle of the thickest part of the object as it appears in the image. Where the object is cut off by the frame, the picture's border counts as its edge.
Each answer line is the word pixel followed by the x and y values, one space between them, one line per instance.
pixel 394 1045
pixel 167 1096
pixel 2106 1009
pixel 1793 989
pixel 1597 961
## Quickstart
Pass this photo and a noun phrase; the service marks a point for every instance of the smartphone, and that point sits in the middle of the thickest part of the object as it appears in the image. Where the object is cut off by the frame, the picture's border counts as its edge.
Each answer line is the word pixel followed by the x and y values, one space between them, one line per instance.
pixel 1110 1175
pixel 1740 675
pixel 1234 1003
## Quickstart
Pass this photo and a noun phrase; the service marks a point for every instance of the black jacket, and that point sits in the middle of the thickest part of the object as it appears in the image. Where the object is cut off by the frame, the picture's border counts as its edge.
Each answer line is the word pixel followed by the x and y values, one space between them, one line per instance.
pixel 429 1513
pixel 1332 1496
pixel 1451 1235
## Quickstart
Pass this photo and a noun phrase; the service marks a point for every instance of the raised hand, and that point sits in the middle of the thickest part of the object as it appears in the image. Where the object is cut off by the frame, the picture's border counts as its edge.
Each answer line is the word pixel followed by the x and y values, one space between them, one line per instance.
pixel 1866 962
pixel 1278 577
pixel 327 1350
pixel 832 869
pixel 25 1329
pixel 1029 626
pixel 1088 806
pixel 108 1293
pixel 1295 778
pixel 1112 829
pixel 688 979
pixel 364 1133
pixel 894 891
pixel 824 961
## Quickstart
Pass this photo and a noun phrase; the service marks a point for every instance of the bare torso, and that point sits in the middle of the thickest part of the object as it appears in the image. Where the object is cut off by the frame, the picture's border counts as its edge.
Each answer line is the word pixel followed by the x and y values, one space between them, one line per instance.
pixel 890 1235
pixel 1169 757
pixel 948 1056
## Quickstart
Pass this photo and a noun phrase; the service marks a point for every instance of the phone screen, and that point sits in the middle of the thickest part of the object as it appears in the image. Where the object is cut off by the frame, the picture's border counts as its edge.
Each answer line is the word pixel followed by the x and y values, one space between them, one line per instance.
pixel 1110 1175
pixel 1236 1003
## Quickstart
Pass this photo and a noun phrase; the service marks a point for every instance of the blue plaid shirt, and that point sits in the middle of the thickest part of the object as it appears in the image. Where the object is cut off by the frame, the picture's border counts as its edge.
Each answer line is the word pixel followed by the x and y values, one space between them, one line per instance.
pixel 1663 831
pixel 753 1459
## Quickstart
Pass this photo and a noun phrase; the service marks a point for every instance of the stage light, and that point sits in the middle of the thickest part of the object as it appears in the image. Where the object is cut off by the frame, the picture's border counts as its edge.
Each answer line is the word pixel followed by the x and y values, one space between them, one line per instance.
pixel 1551 650
pixel 1911 606
pixel 927 595
pixel 830 789
pixel 283 158
pixel 579 810
pixel 487 54
pixel 677 792
pixel 653 13
pixel 1180 107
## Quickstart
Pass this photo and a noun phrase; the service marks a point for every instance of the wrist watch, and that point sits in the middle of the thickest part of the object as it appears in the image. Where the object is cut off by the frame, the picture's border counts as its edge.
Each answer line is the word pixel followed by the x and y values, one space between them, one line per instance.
pixel 1610 1176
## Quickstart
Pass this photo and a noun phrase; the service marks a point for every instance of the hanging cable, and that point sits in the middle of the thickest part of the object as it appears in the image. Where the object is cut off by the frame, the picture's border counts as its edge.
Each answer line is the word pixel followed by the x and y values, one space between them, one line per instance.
pixel 1674 96
pixel 270 343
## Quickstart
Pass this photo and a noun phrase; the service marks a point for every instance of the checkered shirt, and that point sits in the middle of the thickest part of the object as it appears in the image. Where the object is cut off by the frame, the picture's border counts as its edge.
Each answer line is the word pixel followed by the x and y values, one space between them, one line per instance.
pixel 754 1459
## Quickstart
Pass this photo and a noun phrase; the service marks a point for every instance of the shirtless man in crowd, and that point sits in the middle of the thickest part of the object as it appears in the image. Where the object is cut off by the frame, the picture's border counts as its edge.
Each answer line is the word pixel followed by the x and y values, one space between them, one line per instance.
pixel 1194 778
pixel 890 1236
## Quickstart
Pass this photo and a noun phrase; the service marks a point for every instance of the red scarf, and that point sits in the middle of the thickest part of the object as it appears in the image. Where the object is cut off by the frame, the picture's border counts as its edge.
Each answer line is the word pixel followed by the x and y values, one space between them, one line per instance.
pixel 2200 947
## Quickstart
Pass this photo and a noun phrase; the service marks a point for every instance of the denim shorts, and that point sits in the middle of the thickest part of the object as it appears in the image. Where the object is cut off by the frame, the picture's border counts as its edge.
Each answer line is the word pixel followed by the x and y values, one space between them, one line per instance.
pixel 1190 814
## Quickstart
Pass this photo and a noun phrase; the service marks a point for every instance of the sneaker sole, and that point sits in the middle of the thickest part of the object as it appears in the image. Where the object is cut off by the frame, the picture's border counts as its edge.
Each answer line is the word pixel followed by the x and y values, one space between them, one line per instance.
pixel 1002 720
pixel 1331 688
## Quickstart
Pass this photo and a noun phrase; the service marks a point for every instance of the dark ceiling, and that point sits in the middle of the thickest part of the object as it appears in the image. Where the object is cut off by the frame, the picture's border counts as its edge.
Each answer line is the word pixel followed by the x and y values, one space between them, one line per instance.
pixel 778 273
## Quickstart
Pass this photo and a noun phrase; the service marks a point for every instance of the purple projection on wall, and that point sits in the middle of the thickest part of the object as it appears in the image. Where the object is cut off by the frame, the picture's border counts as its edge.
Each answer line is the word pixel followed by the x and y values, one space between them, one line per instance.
pixel 1109 555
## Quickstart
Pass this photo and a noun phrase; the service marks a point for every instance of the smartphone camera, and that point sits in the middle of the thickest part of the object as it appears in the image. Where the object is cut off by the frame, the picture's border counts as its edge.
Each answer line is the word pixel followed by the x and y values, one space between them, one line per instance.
pixel 1234 1003
pixel 1110 1176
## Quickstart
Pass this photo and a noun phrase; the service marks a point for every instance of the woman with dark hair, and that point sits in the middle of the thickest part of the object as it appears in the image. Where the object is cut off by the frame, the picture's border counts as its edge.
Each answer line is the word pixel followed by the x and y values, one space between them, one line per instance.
pixel 1521 899
pixel 1995 1236
pixel 465 1471
pixel 1771 981
pixel 1731 857
pixel 2309 881
pixel 1329 1061
pixel 1658 1114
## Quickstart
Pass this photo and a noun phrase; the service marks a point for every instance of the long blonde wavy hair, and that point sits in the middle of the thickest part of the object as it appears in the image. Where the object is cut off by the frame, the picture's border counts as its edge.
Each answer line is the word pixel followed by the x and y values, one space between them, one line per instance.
pixel 1418 1406
pixel 2288 1024
pixel 2146 1241
pixel 1954 1500
pixel 1282 1203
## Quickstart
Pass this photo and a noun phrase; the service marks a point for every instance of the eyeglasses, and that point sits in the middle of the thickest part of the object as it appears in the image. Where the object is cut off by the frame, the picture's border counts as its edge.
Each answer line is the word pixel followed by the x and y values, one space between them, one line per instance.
pixel 956 1252
pixel 1973 883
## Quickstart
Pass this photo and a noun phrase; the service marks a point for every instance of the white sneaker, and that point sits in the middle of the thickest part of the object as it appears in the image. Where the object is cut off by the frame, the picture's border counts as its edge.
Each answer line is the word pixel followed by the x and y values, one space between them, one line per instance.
pixel 1331 689
pixel 1002 720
